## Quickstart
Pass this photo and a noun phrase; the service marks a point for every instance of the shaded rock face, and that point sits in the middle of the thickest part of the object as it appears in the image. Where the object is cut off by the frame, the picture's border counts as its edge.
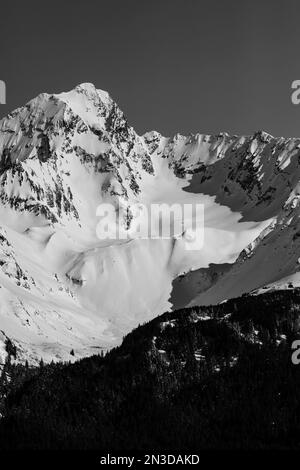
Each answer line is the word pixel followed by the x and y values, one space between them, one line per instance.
pixel 186 286
pixel 62 155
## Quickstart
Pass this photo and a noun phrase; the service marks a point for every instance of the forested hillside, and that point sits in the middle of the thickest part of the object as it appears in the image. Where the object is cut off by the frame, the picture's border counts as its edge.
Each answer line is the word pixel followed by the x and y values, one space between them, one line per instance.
pixel 200 378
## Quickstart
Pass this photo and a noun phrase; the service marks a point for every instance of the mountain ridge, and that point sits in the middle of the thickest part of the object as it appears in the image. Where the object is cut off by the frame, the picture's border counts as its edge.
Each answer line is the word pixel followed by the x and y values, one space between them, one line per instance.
pixel 63 155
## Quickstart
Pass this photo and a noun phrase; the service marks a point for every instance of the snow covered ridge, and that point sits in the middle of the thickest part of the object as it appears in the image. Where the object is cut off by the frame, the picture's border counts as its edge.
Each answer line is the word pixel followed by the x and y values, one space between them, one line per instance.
pixel 64 155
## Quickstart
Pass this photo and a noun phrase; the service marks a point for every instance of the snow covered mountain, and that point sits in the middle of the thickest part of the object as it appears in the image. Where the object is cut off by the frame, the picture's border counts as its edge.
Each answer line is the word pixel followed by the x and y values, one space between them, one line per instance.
pixel 63 289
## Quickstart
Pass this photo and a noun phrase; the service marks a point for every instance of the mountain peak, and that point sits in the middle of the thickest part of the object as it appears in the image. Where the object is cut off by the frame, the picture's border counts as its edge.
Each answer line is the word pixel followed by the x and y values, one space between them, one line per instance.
pixel 262 135
pixel 86 86
pixel 89 91
pixel 63 155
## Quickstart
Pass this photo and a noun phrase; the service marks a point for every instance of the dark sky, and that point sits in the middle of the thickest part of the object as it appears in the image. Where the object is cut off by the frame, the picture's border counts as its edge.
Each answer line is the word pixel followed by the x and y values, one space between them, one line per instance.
pixel 172 65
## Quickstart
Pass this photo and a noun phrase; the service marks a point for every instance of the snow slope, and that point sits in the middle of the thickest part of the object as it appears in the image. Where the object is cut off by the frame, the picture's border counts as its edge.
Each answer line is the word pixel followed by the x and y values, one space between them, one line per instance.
pixel 62 288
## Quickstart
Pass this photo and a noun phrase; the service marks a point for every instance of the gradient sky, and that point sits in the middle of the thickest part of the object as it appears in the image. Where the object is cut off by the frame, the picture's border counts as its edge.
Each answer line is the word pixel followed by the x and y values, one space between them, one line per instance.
pixel 172 65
